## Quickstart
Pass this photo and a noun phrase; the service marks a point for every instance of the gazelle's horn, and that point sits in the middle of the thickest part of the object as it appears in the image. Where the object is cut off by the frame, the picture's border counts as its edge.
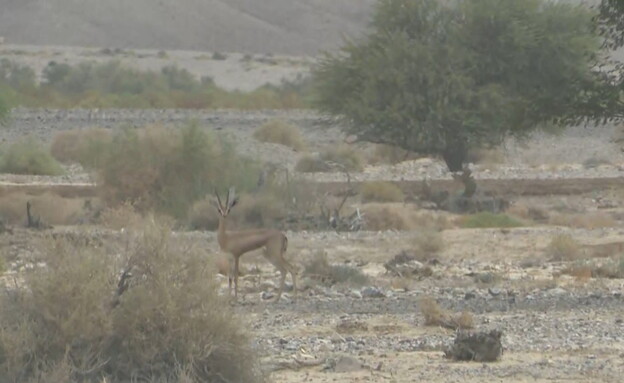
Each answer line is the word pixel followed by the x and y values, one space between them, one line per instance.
pixel 231 195
pixel 218 199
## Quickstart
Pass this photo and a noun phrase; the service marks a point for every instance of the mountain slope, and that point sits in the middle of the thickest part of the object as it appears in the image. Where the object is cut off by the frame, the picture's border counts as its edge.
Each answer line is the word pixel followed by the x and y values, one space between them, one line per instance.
pixel 253 26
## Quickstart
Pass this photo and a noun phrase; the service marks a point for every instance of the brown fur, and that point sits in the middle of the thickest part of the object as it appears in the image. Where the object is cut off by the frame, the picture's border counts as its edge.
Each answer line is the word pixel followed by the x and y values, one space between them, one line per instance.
pixel 237 243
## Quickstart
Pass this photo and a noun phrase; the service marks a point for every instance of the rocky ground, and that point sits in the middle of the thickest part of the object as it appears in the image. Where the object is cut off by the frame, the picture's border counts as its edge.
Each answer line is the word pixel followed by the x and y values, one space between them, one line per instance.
pixel 555 327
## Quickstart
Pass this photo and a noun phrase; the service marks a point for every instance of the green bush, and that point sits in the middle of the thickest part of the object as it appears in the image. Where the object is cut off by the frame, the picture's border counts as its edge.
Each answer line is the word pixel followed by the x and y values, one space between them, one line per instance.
pixel 381 191
pixel 29 156
pixel 113 85
pixel 280 132
pixel 67 322
pixel 169 170
pixel 84 146
pixel 489 220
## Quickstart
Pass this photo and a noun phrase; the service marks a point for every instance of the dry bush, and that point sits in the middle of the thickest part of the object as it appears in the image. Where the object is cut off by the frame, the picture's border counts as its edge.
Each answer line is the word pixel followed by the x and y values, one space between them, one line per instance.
pixel 345 156
pixel 124 216
pixel 426 244
pixel 436 316
pixel 168 170
pixel 389 216
pixel 381 191
pixel 591 220
pixel 563 248
pixel 612 268
pixel 29 156
pixel 528 213
pixel 319 269
pixel 311 164
pixel 489 220
pixel 51 208
pixel 203 215
pixel 83 146
pixel 280 132
pixel 66 323
pixel 389 154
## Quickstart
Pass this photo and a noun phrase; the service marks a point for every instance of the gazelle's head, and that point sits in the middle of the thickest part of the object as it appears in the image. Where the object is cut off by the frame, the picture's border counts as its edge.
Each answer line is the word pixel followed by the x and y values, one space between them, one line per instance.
pixel 230 200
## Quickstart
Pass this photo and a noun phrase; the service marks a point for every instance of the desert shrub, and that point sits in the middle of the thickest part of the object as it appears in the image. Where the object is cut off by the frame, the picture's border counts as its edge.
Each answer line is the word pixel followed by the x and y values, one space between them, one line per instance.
pixel 280 132
pixel 427 243
pixel 29 156
pixel 86 147
pixel 436 316
pixel 388 216
pixel 389 154
pixel 203 215
pixel 319 268
pixel 590 220
pixel 260 210
pixel 169 170
pixel 345 156
pixel 124 216
pixel 311 164
pixel 563 248
pixel 67 322
pixel 489 220
pixel 381 191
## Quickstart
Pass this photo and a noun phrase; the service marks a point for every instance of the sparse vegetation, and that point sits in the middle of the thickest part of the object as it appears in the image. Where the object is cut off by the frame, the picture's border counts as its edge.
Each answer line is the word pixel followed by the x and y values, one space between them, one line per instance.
pixel 311 164
pixel 114 85
pixel 612 268
pixel 436 316
pixel 86 147
pixel 590 220
pixel 168 324
pixel 345 156
pixel 427 244
pixel 29 156
pixel 319 269
pixel 280 132
pixel 168 170
pixel 489 220
pixel 389 216
pixel 381 191
pixel 563 248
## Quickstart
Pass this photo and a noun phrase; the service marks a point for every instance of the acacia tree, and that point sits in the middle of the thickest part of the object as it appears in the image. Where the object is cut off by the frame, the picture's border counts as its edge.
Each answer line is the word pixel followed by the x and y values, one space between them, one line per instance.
pixel 443 77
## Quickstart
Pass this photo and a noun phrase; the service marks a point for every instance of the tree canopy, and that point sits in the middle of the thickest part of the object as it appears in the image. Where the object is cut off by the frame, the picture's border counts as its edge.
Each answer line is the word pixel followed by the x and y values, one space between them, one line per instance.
pixel 442 77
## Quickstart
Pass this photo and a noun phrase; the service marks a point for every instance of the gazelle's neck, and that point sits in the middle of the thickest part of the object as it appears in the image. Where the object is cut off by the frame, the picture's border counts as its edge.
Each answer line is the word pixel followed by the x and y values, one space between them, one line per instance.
pixel 221 234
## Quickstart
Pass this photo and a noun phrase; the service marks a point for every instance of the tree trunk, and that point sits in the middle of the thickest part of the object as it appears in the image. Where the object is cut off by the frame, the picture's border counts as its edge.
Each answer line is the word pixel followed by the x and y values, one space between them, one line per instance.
pixel 454 155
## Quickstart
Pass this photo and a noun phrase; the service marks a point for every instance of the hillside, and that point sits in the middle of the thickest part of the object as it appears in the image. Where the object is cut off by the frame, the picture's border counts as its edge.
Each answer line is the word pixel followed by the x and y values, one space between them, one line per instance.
pixel 293 27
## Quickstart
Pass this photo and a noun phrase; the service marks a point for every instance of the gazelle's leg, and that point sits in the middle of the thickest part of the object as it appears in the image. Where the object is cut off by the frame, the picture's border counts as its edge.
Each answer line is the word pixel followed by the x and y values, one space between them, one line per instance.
pixel 236 277
pixel 282 282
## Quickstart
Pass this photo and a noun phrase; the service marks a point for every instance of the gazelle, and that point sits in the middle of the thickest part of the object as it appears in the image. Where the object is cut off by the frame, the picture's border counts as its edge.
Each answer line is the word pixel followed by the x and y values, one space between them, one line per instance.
pixel 240 242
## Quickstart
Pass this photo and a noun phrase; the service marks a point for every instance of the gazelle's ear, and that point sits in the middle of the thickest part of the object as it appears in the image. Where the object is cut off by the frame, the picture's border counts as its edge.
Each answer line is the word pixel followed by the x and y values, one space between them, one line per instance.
pixel 234 202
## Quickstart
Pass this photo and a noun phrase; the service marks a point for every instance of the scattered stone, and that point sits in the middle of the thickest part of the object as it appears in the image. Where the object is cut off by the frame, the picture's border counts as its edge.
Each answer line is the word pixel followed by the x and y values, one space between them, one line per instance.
pixel 342 364
pixel 476 346
pixel 372 292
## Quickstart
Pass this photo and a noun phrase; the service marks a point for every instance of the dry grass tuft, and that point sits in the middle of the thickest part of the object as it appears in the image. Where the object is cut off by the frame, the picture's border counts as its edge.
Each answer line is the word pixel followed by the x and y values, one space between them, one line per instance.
pixel 311 164
pixel 319 269
pixel 389 154
pixel 381 191
pixel 280 132
pixel 436 316
pixel 489 220
pixel 490 158
pixel 345 156
pixel 168 323
pixel 591 220
pixel 389 216
pixel 564 248
pixel 527 212
pixel 124 216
